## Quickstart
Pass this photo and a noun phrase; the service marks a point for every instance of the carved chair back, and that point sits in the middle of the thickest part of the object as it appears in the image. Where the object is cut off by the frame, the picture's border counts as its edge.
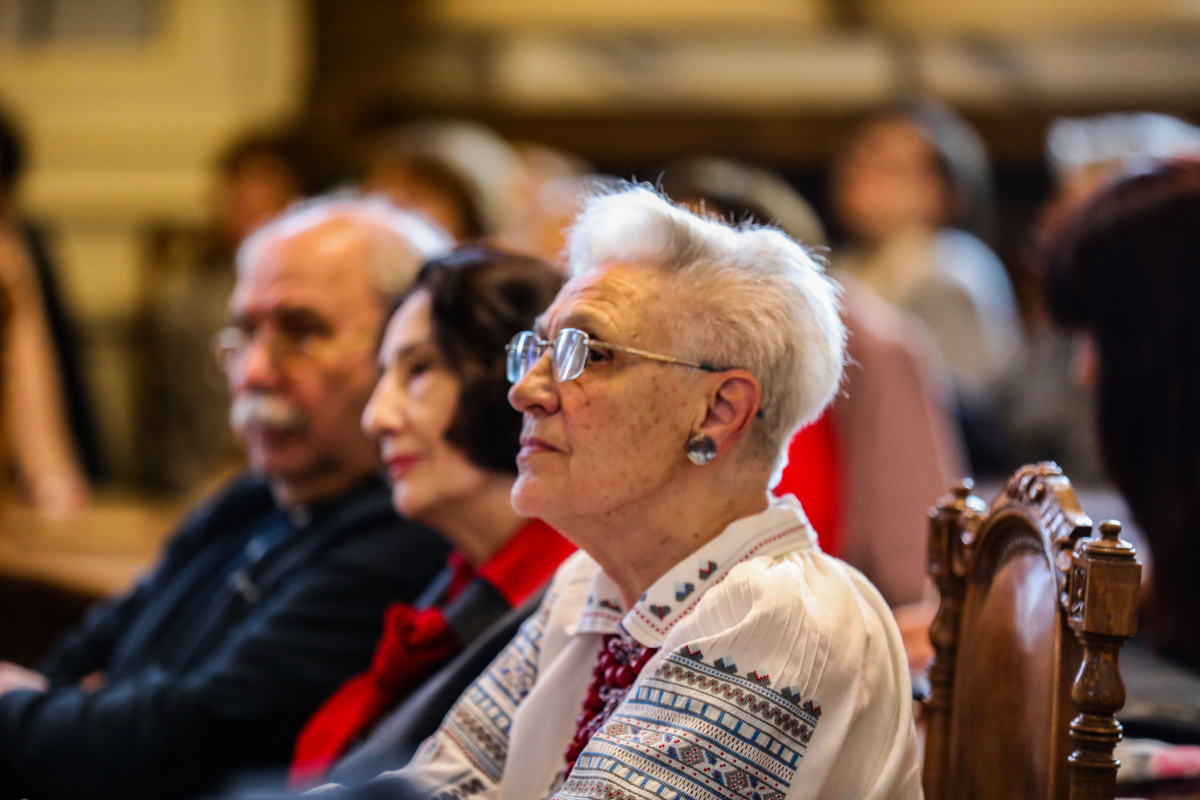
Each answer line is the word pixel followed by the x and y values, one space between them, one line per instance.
pixel 1034 609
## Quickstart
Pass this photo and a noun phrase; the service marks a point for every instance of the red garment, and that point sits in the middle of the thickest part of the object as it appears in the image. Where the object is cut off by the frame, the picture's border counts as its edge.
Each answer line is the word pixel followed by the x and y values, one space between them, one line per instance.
pixel 414 644
pixel 814 475
pixel 620 661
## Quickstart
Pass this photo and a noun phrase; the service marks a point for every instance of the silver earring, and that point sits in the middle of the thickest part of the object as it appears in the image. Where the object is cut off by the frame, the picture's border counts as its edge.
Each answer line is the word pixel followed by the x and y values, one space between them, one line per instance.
pixel 701 449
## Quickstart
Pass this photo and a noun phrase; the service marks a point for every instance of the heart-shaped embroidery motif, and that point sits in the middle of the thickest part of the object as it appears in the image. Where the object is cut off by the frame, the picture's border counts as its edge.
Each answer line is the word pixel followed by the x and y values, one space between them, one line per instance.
pixel 660 611
pixel 682 590
pixel 707 570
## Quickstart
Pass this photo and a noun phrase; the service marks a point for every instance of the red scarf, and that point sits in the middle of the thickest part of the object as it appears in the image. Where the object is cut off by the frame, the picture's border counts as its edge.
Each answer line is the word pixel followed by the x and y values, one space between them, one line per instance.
pixel 414 644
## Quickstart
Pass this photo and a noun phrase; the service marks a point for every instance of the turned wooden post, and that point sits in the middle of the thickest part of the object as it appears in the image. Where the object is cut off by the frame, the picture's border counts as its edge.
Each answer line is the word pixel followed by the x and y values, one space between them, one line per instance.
pixel 1102 610
pixel 944 562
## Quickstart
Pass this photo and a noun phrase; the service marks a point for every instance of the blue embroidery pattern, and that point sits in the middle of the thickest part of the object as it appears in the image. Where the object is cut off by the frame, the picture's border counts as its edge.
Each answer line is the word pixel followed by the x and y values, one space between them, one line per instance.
pixel 481 719
pixel 697 731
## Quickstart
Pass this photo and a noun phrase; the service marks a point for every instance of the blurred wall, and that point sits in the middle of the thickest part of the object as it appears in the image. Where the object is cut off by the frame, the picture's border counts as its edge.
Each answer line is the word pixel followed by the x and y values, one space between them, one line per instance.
pixel 124 122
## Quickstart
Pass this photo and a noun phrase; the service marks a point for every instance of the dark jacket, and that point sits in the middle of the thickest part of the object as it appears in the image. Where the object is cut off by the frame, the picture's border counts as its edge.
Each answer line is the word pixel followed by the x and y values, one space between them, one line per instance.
pixel 216 659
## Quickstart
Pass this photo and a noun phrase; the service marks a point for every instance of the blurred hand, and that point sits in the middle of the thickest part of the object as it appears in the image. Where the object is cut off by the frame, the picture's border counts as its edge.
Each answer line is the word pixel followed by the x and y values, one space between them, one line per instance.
pixel 92 681
pixel 13 677
pixel 914 620
pixel 59 494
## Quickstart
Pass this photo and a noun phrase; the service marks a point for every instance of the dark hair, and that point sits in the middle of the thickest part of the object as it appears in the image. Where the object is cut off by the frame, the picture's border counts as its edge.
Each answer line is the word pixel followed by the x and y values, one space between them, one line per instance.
pixel 1127 270
pixel 481 297
pixel 288 148
pixel 12 152
pixel 440 176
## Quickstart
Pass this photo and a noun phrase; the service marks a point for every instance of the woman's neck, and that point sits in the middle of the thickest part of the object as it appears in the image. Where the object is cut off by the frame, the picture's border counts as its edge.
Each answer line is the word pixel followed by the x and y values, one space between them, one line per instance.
pixel 479 525
pixel 638 544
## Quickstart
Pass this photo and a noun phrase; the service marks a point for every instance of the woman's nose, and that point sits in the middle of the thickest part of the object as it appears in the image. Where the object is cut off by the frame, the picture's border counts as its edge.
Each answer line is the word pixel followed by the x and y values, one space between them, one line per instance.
pixel 537 389
pixel 382 413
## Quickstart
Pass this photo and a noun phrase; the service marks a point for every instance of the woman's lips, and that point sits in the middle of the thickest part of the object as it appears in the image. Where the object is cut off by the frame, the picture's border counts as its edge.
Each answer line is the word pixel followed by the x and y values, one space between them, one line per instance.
pixel 532 446
pixel 399 466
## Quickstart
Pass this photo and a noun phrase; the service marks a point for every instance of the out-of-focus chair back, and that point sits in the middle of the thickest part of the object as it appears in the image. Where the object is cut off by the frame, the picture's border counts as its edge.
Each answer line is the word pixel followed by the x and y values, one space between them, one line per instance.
pixel 1034 610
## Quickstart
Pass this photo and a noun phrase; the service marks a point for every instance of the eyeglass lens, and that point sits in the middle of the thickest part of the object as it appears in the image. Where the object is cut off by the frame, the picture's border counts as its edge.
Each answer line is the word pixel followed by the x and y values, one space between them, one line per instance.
pixel 568 354
pixel 522 353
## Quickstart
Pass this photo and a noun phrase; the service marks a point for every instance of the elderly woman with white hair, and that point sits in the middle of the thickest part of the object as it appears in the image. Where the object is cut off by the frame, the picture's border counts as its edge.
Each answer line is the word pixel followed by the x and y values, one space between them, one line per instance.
pixel 700 645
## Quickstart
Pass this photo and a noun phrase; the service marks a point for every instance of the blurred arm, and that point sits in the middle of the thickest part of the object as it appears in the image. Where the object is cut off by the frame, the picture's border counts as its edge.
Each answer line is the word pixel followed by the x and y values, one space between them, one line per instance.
pixel 158 735
pixel 36 415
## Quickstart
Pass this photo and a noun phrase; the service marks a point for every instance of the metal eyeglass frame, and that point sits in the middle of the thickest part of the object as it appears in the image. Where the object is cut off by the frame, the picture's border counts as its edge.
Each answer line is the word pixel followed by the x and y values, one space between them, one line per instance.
pixel 516 370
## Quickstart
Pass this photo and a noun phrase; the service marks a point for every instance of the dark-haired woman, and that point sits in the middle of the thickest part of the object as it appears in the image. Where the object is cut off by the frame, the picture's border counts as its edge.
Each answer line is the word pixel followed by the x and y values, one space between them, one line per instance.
pixel 1126 273
pixel 449 440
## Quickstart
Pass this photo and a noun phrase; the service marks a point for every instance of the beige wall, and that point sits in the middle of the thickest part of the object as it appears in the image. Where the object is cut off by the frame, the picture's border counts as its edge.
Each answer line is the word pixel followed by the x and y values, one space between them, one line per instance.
pixel 125 133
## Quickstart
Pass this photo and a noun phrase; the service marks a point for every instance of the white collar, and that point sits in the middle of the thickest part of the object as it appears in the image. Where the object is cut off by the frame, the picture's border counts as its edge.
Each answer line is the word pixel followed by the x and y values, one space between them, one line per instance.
pixel 781 528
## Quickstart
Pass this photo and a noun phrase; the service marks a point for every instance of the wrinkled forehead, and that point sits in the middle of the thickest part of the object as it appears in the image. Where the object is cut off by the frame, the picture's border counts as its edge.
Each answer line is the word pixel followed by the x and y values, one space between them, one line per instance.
pixel 618 303
pixel 327 267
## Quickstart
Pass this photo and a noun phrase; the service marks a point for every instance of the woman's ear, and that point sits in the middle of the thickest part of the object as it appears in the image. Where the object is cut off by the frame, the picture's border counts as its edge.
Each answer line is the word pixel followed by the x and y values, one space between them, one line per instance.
pixel 733 404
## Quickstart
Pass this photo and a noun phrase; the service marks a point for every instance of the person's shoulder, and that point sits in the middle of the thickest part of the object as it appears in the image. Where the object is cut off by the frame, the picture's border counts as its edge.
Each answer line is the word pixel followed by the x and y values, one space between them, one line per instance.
pixel 244 494
pixel 796 617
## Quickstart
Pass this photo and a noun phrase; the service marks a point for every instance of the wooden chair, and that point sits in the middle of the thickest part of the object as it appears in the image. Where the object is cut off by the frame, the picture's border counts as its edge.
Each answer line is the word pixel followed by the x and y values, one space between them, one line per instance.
pixel 1034 611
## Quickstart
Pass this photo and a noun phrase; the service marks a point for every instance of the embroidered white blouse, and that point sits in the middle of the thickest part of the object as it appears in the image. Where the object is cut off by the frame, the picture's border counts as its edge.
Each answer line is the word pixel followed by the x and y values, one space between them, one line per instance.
pixel 781 676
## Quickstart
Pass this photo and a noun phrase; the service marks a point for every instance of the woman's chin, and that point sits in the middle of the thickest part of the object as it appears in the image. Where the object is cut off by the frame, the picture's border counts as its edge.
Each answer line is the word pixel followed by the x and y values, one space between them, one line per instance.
pixel 407 504
pixel 532 497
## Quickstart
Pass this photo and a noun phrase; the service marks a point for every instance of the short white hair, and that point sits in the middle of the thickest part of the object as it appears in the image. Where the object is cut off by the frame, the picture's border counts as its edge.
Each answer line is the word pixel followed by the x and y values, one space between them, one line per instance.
pixel 750 298
pixel 409 239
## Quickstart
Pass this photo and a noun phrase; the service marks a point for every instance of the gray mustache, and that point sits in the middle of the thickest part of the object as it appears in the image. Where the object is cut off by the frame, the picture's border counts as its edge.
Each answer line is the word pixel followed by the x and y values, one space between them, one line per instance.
pixel 265 411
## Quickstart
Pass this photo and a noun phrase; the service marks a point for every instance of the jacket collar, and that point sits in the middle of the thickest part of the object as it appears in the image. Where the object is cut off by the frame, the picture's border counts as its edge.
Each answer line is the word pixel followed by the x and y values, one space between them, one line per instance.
pixel 782 528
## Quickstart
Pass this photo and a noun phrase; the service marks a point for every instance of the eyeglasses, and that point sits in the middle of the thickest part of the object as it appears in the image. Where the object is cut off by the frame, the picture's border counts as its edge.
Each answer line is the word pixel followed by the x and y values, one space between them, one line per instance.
pixel 569 354
pixel 286 350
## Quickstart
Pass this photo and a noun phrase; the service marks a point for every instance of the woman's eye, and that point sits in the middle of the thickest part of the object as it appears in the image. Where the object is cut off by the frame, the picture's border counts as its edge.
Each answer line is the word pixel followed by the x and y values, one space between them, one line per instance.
pixel 418 369
pixel 596 355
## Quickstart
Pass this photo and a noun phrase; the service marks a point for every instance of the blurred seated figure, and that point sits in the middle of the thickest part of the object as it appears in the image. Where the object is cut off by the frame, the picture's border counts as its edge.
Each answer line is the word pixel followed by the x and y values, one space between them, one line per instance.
pixel 900 190
pixel 272 592
pixel 701 638
pixel 1049 416
pixel 866 471
pixel 46 420
pixel 555 185
pixel 1124 272
pixel 184 442
pixel 449 439
pixel 459 174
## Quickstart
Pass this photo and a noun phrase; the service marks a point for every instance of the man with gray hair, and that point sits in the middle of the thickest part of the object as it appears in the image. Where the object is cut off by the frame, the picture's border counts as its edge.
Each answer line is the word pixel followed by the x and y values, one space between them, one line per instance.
pixel 272 592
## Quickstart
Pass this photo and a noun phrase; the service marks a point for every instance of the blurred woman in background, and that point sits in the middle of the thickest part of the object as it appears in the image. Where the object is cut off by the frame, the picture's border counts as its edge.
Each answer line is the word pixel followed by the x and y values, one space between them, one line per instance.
pixel 459 174
pixel 1126 273
pixel 35 362
pixel 449 440
pixel 913 192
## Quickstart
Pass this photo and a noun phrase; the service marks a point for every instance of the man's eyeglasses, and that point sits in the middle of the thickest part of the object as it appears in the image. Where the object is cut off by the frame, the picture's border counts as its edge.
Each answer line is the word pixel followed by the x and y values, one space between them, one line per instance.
pixel 569 354
pixel 286 351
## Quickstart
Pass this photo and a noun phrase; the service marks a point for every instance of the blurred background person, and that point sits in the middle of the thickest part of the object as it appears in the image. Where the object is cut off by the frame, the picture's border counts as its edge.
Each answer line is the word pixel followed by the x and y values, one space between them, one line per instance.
pixel 185 443
pixel 1048 415
pixel 272 591
pixel 886 449
pixel 459 174
pixel 1125 273
pixel 449 440
pixel 556 184
pixel 46 412
pixel 912 191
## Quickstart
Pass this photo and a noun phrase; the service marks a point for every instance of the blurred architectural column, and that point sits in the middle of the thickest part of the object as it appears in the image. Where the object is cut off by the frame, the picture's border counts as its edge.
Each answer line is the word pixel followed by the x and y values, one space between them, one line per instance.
pixel 126 104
